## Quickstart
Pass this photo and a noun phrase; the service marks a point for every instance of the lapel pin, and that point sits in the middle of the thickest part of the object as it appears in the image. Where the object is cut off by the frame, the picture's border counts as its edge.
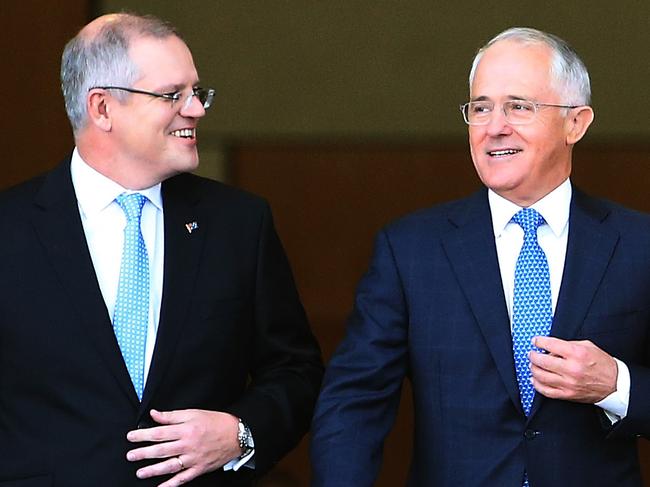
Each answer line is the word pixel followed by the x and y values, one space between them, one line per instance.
pixel 191 226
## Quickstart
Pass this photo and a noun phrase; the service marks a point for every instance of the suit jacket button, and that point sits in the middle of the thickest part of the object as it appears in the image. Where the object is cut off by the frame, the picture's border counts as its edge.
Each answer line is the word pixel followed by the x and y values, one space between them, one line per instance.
pixel 530 434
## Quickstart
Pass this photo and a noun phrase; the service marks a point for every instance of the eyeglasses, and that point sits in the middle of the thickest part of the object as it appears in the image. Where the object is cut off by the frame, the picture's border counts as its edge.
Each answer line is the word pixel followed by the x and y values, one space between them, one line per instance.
pixel 517 112
pixel 204 95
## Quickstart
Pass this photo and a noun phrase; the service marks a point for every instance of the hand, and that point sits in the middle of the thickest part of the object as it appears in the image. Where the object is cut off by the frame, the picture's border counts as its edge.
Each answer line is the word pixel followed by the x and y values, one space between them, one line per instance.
pixel 572 370
pixel 189 442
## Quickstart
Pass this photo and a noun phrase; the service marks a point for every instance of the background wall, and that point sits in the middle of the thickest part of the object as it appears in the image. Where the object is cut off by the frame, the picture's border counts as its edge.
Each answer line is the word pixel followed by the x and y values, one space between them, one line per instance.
pixel 390 68
pixel 344 114
pixel 34 131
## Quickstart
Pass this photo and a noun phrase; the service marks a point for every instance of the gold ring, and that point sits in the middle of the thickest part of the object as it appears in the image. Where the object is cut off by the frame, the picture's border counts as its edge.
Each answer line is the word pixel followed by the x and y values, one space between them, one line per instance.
pixel 180 462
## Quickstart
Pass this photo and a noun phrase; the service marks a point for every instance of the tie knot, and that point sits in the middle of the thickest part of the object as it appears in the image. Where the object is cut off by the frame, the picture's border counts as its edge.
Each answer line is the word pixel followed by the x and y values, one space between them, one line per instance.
pixel 529 220
pixel 132 205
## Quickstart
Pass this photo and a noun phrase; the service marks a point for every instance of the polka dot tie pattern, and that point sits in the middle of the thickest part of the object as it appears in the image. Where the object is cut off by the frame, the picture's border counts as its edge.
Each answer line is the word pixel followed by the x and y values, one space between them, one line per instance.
pixel 532 312
pixel 131 314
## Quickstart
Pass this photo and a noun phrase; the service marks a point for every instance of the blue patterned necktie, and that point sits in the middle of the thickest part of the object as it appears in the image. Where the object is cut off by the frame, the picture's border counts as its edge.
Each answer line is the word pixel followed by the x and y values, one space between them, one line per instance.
pixel 131 315
pixel 531 314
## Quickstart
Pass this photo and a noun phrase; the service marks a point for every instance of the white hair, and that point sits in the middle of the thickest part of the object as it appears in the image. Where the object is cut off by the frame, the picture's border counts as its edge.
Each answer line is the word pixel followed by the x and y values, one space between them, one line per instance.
pixel 569 75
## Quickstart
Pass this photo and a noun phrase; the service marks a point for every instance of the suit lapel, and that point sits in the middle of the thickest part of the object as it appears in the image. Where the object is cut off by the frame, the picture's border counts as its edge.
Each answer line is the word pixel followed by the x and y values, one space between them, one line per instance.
pixel 590 247
pixel 471 250
pixel 184 238
pixel 58 226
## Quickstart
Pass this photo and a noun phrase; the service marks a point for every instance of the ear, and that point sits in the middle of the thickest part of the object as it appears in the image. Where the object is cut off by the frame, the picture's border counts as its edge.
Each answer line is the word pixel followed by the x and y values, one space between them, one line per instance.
pixel 99 109
pixel 578 121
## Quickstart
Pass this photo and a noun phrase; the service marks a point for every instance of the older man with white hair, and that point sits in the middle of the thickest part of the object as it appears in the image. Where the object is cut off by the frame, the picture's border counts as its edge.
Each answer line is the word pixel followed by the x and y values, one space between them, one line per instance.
pixel 520 314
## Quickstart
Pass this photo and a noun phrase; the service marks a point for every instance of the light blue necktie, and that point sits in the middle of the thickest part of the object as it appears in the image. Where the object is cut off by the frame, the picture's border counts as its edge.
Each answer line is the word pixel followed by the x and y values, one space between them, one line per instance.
pixel 532 313
pixel 131 315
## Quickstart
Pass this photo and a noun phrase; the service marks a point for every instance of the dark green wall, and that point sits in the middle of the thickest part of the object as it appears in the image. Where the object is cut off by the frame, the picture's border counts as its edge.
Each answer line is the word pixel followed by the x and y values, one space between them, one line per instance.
pixel 397 69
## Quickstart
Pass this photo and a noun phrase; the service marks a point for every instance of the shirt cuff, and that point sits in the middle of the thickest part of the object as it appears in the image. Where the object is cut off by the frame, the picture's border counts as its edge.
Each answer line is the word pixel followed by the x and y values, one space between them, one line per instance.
pixel 615 405
pixel 247 460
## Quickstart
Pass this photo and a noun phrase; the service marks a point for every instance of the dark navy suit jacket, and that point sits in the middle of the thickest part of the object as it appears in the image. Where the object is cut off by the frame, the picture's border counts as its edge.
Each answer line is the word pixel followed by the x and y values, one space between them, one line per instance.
pixel 431 309
pixel 232 336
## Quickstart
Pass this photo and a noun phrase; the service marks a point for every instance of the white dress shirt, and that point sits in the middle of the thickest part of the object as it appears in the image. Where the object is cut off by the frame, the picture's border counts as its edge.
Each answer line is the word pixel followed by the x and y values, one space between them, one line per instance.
pixel 103 223
pixel 552 238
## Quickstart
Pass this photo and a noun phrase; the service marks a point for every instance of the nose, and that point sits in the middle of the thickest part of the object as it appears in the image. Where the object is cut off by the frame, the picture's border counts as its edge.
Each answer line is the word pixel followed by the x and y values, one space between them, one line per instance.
pixel 498 125
pixel 192 107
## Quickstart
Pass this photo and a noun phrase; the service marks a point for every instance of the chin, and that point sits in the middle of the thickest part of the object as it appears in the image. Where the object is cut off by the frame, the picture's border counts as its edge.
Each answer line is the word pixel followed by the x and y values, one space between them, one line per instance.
pixel 187 165
pixel 500 184
pixel 193 166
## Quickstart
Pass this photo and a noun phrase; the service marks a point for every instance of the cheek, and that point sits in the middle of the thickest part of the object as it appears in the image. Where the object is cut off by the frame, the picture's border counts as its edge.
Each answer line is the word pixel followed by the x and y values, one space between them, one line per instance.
pixel 475 136
pixel 542 145
pixel 541 136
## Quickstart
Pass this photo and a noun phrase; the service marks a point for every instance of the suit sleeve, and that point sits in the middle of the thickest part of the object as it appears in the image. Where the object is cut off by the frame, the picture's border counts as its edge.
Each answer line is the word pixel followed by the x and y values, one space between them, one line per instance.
pixel 637 421
pixel 630 339
pixel 360 396
pixel 286 366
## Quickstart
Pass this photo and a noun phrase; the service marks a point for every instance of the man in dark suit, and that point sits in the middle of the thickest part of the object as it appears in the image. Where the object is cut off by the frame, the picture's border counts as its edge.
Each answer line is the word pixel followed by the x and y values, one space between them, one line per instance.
pixel 452 302
pixel 211 377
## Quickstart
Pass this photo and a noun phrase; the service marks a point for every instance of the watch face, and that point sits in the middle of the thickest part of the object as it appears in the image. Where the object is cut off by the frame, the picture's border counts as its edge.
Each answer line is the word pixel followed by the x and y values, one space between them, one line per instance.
pixel 248 437
pixel 244 436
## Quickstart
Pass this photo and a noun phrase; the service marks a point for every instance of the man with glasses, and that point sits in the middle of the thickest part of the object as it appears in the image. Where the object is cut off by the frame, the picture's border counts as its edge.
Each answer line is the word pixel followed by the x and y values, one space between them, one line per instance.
pixel 520 314
pixel 150 329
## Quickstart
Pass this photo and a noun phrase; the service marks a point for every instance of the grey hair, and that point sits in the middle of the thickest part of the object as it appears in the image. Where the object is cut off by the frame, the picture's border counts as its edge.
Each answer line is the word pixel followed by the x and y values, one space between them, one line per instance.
pixel 569 76
pixel 103 60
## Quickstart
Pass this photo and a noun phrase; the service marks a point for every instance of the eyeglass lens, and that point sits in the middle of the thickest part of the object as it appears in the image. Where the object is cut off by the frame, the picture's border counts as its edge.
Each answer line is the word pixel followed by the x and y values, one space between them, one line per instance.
pixel 515 111
pixel 204 95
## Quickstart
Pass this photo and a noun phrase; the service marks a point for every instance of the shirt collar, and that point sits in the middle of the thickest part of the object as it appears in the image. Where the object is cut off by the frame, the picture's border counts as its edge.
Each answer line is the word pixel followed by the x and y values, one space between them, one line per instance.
pixel 554 207
pixel 95 191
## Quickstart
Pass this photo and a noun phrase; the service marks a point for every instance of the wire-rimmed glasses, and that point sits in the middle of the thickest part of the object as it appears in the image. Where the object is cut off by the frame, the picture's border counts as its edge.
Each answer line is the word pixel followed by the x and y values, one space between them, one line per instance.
pixel 204 95
pixel 517 112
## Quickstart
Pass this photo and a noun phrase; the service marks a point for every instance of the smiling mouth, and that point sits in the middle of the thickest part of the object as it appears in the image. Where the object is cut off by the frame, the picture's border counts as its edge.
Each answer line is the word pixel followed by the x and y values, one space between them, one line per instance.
pixel 184 133
pixel 503 152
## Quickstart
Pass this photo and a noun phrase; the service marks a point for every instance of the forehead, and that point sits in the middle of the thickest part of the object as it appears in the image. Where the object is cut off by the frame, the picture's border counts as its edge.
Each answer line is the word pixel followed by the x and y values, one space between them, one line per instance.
pixel 510 69
pixel 167 60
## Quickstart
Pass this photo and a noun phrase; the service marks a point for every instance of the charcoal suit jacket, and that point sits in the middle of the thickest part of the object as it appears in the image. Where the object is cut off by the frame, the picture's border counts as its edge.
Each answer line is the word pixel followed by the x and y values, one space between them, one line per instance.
pixel 232 336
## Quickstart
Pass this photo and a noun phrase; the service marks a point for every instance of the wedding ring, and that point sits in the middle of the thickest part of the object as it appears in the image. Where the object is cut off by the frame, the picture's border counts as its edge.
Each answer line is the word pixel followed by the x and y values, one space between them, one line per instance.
pixel 180 462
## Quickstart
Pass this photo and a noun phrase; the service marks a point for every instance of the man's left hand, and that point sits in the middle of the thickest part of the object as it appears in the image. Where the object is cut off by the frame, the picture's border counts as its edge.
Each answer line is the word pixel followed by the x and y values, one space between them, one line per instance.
pixel 572 370
pixel 188 442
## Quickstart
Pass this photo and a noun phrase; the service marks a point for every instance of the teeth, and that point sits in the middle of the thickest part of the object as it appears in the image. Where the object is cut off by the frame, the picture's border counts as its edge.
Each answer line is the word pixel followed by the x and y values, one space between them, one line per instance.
pixel 186 133
pixel 506 152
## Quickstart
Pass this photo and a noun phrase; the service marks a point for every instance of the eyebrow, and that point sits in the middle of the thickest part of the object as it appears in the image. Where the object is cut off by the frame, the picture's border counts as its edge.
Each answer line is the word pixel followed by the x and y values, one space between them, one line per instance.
pixel 173 88
pixel 509 97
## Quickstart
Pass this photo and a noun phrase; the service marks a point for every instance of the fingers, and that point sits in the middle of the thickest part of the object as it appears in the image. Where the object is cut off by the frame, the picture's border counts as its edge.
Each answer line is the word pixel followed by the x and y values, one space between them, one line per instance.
pixel 156 434
pixel 171 421
pixel 168 446
pixel 198 440
pixel 159 450
pixel 547 383
pixel 171 417
pixel 546 361
pixel 183 477
pixel 545 373
pixel 170 466
pixel 555 346
pixel 166 443
pixel 572 370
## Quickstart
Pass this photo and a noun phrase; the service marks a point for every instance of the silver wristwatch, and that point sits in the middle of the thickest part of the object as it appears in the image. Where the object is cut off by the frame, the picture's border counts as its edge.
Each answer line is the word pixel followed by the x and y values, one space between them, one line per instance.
pixel 245 438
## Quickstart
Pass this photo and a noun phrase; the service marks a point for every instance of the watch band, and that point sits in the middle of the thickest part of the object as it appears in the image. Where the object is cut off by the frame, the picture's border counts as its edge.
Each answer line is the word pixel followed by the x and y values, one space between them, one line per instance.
pixel 244 437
